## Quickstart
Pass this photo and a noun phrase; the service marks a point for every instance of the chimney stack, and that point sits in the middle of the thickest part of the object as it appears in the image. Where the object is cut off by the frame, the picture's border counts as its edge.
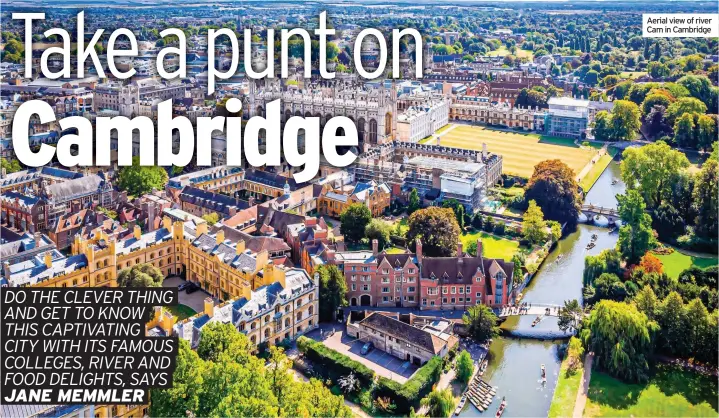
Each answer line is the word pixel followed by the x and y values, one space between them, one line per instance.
pixel 418 250
pixel 48 259
pixel 137 232
pixel 459 250
pixel 209 307
pixel 479 247
pixel 375 247
pixel 220 237
pixel 38 239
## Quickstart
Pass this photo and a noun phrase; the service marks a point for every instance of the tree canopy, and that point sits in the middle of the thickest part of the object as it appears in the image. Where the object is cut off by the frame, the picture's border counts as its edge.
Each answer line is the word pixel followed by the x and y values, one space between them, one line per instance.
pixel 438 230
pixel 553 186
pixel 140 275
pixel 354 221
pixel 333 291
pixel 652 170
pixel 481 323
pixel 138 180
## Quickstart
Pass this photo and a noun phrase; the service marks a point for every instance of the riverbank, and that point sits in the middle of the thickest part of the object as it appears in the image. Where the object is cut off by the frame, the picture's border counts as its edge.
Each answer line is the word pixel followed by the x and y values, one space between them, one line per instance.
pixel 565 394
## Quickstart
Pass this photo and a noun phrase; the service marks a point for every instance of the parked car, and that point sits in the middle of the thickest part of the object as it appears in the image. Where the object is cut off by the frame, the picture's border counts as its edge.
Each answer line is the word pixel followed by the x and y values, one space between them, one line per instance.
pixel 183 286
pixel 367 348
pixel 191 288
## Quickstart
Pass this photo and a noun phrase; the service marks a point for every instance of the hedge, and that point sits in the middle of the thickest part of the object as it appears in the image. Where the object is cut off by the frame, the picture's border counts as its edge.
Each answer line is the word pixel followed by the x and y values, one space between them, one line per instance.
pixel 417 387
pixel 332 364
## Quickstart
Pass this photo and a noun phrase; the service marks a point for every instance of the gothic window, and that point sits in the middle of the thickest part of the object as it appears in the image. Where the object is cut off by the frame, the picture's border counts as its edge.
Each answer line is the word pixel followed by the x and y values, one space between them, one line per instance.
pixel 372 131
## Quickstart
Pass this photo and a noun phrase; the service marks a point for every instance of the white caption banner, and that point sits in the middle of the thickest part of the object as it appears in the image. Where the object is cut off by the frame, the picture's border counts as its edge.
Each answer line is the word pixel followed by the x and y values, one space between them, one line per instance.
pixel 680 25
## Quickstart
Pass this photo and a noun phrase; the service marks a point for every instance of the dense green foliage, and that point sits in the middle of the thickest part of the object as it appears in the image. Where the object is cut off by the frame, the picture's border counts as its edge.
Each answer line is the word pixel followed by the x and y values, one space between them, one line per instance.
pixel 354 220
pixel 333 291
pixel 438 230
pixel 331 364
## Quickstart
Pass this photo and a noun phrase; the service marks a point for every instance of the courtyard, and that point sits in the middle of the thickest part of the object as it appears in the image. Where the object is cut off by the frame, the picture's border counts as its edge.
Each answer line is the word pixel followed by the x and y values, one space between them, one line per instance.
pixel 520 151
pixel 383 364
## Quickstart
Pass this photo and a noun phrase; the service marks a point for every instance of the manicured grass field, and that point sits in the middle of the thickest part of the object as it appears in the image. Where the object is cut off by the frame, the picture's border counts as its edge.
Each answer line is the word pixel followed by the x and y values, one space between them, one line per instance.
pixel 565 394
pixel 520 151
pixel 494 247
pixel 181 311
pixel 596 171
pixel 670 393
pixel 676 262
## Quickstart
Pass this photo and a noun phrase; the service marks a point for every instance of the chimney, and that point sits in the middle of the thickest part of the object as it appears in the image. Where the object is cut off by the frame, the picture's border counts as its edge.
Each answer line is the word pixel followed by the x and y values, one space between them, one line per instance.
pixel 240 248
pixel 459 250
pixel 479 247
pixel 4 172
pixel 137 232
pixel 232 211
pixel 38 239
pixel 418 250
pixel 251 201
pixel 316 279
pixel 48 259
pixel 220 237
pixel 167 223
pixel 150 217
pixel 6 269
pixel 375 247
pixel 209 307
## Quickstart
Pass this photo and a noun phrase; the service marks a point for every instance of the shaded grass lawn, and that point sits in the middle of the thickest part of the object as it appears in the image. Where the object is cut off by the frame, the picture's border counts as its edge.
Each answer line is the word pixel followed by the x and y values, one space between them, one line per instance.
pixel 181 311
pixel 676 262
pixel 565 394
pixel 671 392
pixel 494 247
pixel 520 151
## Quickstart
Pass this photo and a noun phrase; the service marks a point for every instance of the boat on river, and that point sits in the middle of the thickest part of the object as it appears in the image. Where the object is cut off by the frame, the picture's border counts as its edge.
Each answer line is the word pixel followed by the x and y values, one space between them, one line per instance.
pixel 462 401
pixel 502 406
pixel 483 366
pixel 537 320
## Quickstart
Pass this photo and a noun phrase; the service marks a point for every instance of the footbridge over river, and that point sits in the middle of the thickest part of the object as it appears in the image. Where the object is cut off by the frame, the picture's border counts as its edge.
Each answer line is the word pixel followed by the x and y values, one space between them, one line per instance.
pixel 533 309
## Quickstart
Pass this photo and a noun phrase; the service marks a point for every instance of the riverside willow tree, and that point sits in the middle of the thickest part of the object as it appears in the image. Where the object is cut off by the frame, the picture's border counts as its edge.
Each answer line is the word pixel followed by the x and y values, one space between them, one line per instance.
pixel 137 180
pixel 438 230
pixel 333 291
pixel 140 275
pixel 439 403
pixel 354 221
pixel 481 323
pixel 554 187
pixel 621 338
pixel 240 385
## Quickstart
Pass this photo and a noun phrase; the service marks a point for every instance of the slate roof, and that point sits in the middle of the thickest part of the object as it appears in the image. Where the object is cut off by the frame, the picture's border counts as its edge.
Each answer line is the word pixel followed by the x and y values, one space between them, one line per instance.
pixel 227 252
pixel 213 201
pixel 404 331
pixel 70 189
pixel 262 302
pixel 33 271
pixel 270 179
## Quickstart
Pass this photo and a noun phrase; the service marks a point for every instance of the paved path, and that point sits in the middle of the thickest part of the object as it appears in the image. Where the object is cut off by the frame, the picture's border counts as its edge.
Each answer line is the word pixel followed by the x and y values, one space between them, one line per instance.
pixel 591 164
pixel 584 388
pixel 435 136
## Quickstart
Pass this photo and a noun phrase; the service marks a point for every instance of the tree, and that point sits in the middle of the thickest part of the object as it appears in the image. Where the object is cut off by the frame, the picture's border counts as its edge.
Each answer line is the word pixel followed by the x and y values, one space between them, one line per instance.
pixel 570 316
pixel 465 367
pixel 608 286
pixel 414 204
pixel 218 338
pixel 621 338
pixel 333 291
pixel 651 264
pixel 601 128
pixel 553 186
pixel 481 323
pixel 684 131
pixel 138 180
pixel 647 302
pixel 608 261
pixel 534 227
pixel 575 352
pixel 440 403
pixel 672 320
pixel 655 99
pixel 186 390
pixel 635 235
pixel 379 230
pixel 458 210
pixel 652 170
pixel 140 275
pixel 10 165
pixel 625 120
pixel 438 230
pixel 684 105
pixel 707 135
pixel 354 220
pixel 211 218
pixel 706 198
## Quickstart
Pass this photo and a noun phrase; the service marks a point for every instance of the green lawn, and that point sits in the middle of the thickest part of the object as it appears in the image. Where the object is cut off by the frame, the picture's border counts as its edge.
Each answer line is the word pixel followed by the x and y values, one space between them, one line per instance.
pixel 395 250
pixel 520 151
pixel 565 395
pixel 676 262
pixel 494 247
pixel 670 393
pixel 181 311
pixel 591 177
